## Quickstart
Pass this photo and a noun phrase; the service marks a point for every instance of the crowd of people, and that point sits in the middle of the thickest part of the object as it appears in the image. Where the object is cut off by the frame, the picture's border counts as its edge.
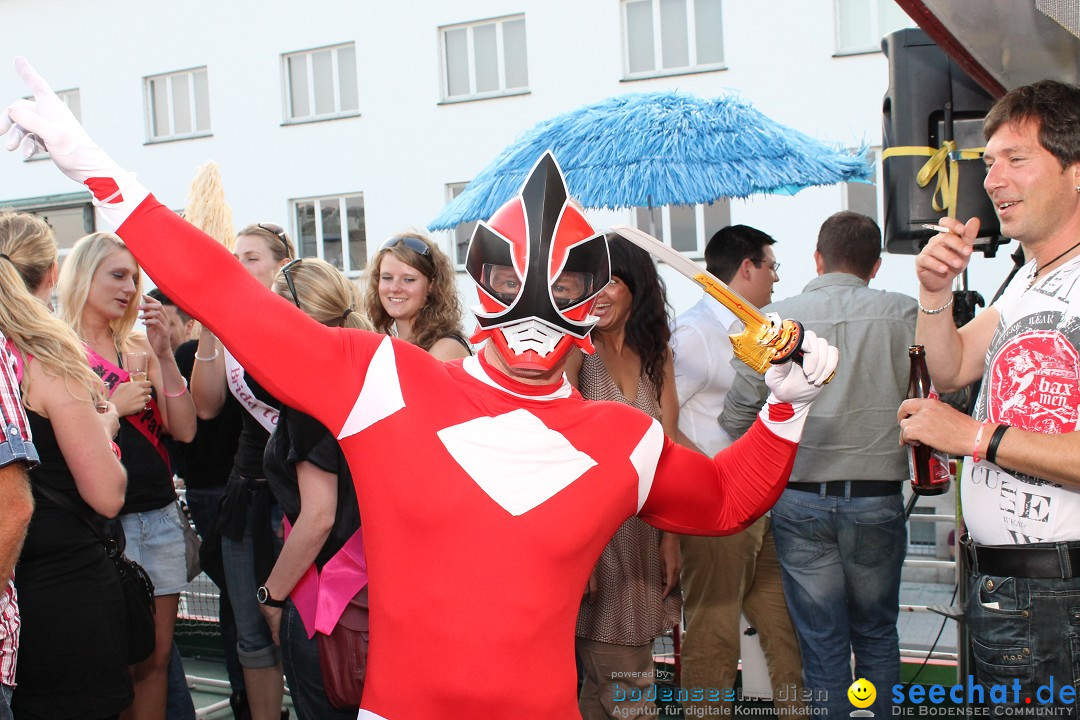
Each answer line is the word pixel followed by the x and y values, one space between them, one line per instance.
pixel 374 489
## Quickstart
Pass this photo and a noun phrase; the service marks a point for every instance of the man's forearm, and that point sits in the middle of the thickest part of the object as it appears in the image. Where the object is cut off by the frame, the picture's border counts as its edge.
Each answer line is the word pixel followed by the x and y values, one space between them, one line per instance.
pixel 18 505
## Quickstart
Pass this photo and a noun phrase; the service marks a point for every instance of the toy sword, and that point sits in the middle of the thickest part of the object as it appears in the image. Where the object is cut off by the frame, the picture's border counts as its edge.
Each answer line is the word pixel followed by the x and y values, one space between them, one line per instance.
pixel 764 340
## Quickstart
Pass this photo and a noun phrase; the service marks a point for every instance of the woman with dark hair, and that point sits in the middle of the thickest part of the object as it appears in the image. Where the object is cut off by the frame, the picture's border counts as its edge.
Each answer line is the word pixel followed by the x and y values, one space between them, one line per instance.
pixel 631 597
pixel 411 294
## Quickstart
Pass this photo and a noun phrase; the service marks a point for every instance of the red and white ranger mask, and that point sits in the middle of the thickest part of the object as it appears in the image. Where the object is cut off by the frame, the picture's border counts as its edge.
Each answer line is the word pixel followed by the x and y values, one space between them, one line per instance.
pixel 538 266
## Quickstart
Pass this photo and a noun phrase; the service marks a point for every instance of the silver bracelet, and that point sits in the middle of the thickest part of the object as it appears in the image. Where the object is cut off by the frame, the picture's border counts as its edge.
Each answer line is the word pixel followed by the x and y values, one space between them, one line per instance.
pixel 215 355
pixel 941 309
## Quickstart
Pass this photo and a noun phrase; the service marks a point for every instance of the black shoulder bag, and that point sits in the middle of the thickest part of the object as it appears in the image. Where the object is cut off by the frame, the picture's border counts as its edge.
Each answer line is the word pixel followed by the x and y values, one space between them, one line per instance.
pixel 135 585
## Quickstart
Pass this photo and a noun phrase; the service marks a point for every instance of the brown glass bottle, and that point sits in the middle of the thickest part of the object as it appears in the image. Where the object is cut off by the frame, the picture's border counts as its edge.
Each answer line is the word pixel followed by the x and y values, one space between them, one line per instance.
pixel 928 468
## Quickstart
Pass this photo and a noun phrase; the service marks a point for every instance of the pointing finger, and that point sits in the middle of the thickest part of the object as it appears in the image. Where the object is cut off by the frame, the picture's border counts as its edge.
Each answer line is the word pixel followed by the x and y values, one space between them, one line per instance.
pixel 30 76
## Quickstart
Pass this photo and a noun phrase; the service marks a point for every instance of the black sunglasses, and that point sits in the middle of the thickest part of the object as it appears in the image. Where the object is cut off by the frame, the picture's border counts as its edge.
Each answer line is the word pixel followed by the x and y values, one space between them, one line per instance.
pixel 287 274
pixel 413 243
pixel 280 232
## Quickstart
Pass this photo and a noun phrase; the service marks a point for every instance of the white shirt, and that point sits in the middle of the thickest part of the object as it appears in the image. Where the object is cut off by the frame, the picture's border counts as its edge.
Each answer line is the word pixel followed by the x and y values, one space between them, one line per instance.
pixel 703 371
pixel 1032 382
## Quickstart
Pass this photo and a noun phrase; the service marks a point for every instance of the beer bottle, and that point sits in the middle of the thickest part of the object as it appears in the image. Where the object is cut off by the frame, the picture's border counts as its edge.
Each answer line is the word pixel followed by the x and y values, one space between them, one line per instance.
pixel 928 468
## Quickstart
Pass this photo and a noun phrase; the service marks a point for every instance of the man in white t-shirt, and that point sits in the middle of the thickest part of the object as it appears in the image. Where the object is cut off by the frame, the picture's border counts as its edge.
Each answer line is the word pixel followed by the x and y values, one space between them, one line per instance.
pixel 723 576
pixel 1021 490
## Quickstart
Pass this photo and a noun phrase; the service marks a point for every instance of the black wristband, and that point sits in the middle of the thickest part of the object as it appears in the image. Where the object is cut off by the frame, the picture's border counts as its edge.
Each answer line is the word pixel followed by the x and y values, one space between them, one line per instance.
pixel 995 440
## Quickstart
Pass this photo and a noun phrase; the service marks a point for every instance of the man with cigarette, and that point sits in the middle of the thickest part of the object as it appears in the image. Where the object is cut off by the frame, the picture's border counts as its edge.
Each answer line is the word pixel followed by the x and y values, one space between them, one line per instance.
pixel 1021 488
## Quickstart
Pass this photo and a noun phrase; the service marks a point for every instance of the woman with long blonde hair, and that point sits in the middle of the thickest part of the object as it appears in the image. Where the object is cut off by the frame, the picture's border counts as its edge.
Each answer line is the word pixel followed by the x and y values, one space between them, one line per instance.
pixel 101 298
pixel 410 294
pixel 246 517
pixel 311 481
pixel 68 589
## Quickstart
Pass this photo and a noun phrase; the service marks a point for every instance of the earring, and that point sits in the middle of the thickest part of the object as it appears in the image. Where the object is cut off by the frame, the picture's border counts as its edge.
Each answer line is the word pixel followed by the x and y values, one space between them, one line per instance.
pixel 1078 188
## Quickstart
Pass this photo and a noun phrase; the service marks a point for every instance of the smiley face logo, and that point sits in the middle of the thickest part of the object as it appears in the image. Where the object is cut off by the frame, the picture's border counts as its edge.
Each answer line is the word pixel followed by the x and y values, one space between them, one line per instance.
pixel 862 693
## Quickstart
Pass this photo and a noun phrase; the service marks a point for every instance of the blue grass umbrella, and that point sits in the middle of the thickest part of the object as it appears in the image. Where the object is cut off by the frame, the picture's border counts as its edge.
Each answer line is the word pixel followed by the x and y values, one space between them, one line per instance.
pixel 660 148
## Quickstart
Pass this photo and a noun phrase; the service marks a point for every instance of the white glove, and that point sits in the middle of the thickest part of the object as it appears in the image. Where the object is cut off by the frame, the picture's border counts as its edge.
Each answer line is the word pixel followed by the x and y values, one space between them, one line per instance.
pixel 794 383
pixel 46 123
pixel 794 386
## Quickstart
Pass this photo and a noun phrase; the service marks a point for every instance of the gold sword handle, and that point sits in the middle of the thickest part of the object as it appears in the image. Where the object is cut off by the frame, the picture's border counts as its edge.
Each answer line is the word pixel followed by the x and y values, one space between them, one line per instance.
pixel 760 346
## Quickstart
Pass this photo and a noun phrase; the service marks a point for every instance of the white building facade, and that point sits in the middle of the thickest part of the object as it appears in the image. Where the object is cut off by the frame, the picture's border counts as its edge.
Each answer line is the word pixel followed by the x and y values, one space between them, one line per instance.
pixel 347 120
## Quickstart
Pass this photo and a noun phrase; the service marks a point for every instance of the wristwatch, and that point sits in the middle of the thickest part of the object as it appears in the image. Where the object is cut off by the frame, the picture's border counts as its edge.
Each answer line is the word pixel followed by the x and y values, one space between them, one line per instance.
pixel 263 596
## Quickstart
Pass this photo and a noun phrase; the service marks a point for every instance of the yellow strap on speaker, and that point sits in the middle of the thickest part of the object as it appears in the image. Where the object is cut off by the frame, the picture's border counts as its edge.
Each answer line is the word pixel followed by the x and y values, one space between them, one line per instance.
pixel 947 173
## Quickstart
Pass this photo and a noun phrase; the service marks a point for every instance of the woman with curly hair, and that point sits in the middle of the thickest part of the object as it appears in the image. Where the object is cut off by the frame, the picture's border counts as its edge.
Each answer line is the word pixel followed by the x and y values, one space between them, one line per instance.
pixel 71 662
pixel 411 295
pixel 631 596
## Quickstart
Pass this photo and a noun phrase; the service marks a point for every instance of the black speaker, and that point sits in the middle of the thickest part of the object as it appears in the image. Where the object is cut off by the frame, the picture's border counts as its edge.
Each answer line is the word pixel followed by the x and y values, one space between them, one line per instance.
pixel 928 92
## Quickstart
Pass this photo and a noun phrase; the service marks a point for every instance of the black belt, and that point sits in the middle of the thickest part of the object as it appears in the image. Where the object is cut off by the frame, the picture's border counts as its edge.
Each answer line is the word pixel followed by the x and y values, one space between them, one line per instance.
pixel 859 488
pixel 1037 560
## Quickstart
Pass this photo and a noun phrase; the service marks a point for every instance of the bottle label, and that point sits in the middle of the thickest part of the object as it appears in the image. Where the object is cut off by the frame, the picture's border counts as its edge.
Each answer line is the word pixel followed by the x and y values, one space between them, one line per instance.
pixel 939 475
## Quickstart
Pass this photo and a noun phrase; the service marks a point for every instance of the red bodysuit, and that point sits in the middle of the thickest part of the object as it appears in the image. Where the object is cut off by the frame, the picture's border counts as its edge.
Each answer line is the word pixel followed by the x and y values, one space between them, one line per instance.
pixel 486 502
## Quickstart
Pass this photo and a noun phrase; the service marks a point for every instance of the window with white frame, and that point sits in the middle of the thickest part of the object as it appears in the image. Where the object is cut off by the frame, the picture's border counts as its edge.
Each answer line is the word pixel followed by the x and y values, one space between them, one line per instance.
pixel 687 228
pixel 671 36
pixel 177 105
pixel 332 228
pixel 321 83
pixel 72 99
pixel 484 59
pixel 461 234
pixel 860 24
pixel 863 197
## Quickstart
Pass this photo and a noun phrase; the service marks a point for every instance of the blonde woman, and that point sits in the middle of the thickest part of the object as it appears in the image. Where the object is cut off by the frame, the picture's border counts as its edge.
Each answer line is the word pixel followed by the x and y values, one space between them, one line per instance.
pixel 411 294
pixel 68 589
pixel 245 521
pixel 311 481
pixel 100 297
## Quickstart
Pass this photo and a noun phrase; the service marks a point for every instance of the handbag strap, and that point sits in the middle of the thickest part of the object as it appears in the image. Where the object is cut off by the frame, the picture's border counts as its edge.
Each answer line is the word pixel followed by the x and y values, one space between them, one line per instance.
pixel 110 544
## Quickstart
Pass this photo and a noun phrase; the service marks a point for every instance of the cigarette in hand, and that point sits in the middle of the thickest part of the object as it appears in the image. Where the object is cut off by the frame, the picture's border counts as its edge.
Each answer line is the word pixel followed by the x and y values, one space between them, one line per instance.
pixel 937 228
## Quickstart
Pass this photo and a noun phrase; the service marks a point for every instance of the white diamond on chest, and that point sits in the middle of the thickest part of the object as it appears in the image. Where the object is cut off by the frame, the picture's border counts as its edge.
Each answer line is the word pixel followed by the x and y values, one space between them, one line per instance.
pixel 515 459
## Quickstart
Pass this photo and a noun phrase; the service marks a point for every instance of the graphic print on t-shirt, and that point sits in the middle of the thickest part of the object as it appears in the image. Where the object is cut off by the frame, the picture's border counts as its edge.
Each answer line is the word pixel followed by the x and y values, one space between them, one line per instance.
pixel 1033 372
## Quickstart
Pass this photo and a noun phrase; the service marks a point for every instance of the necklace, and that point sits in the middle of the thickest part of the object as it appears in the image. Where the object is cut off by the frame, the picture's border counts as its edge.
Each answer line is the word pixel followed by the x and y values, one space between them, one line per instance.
pixel 1038 269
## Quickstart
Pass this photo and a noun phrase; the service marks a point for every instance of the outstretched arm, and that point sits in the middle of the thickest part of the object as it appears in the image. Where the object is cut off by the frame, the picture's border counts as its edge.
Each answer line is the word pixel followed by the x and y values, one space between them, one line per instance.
pixel 692 495
pixel 266 333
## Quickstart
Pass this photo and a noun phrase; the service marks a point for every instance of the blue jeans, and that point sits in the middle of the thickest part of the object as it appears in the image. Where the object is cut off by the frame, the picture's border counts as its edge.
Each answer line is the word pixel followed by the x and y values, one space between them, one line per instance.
pixel 5 702
pixel 300 658
pixel 204 504
pixel 179 705
pixel 841 559
pixel 254 644
pixel 1025 629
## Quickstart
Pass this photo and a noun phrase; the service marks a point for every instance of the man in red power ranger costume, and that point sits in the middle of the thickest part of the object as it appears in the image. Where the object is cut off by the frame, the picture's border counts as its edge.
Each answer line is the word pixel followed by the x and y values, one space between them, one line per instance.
pixel 488 487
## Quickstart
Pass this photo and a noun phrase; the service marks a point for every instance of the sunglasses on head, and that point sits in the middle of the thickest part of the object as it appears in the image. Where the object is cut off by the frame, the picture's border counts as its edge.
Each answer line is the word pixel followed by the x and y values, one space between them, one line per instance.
pixel 413 243
pixel 287 274
pixel 279 231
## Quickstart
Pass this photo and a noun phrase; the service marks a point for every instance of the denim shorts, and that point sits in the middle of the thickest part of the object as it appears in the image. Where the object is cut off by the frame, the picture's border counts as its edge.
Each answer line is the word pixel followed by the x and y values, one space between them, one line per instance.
pixel 155 540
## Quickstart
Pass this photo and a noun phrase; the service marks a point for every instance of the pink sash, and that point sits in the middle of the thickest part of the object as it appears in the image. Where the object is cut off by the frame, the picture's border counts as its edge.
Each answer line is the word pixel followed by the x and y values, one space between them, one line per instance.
pixel 148 422
pixel 267 415
pixel 321 597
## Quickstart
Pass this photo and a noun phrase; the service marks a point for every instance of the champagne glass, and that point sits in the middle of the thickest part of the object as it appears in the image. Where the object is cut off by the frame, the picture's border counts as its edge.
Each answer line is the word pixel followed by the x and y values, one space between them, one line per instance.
pixel 137 364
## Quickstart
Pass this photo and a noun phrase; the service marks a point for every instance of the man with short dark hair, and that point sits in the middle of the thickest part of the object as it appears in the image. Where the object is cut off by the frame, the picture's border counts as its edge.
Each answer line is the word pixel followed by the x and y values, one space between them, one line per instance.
pixel 839 525
pixel 725 576
pixel 1021 490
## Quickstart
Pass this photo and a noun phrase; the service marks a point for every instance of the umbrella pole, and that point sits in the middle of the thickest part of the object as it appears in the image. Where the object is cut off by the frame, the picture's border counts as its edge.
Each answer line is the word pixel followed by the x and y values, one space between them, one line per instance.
pixel 652 219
